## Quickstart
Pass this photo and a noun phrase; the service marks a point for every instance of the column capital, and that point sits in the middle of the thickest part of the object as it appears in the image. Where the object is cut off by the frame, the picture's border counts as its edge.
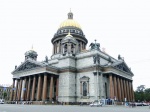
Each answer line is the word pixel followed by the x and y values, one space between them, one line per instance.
pixel 21 78
pixel 45 73
pixel 99 73
pixel 110 74
pixel 39 75
pixel 30 76
pixel 52 76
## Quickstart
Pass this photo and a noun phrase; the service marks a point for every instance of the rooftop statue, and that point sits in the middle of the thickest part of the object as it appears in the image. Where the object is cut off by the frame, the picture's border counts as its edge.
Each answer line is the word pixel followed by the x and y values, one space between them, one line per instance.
pixel 95 46
pixel 46 59
pixel 120 58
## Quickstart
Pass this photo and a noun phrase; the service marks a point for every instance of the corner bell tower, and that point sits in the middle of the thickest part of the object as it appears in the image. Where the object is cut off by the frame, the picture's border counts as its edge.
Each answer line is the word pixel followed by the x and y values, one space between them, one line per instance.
pixel 69 45
pixel 31 54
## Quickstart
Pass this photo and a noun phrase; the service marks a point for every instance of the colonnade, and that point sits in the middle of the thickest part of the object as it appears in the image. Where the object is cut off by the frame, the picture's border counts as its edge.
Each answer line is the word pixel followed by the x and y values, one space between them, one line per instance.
pixel 120 88
pixel 57 46
pixel 39 87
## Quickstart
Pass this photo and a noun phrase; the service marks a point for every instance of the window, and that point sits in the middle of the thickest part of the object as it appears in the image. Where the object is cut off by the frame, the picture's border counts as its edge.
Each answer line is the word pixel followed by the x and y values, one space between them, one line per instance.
pixel 84 87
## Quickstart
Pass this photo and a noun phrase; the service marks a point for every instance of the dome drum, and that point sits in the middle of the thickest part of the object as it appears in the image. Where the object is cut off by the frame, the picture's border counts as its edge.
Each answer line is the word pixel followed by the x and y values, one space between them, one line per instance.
pixel 71 30
pixel 77 33
pixel 75 36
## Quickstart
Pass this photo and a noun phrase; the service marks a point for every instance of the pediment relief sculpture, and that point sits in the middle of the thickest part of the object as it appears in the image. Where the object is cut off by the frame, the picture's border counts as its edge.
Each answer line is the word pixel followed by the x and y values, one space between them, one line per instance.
pixel 28 66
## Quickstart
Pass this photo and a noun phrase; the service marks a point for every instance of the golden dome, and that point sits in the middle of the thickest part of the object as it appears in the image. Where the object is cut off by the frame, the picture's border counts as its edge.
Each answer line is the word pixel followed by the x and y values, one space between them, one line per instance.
pixel 70 22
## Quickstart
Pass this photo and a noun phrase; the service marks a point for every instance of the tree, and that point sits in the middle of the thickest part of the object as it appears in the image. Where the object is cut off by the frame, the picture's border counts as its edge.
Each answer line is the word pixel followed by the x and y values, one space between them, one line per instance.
pixel 147 94
pixel 142 93
pixel 147 90
pixel 4 95
pixel 140 88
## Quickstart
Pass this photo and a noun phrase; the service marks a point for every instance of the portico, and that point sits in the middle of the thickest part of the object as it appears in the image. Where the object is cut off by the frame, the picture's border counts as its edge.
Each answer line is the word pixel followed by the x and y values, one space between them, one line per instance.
pixel 39 87
pixel 34 81
pixel 119 88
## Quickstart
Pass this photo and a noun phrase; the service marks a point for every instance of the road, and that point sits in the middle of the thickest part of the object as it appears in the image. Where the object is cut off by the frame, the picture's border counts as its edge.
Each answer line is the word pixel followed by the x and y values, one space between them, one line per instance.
pixel 68 108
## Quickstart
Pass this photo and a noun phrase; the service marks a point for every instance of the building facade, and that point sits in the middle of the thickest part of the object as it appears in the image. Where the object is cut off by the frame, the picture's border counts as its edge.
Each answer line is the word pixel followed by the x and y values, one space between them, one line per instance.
pixel 5 93
pixel 73 73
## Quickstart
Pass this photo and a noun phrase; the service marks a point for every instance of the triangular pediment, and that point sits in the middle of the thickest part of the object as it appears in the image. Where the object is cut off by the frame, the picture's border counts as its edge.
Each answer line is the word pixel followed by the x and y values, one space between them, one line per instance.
pixel 27 65
pixel 123 67
pixel 84 78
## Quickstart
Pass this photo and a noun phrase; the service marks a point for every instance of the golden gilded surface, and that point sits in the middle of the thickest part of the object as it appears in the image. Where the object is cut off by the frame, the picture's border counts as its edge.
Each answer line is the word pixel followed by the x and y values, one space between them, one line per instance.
pixel 70 22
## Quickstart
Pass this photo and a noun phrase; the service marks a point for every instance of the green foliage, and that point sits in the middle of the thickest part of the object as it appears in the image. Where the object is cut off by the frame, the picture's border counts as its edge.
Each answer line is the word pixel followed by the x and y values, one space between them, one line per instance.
pixel 140 88
pixel 147 90
pixel 142 94
pixel 4 95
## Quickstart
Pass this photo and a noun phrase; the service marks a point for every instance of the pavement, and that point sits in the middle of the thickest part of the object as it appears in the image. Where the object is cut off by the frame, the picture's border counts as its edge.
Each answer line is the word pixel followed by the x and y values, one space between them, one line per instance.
pixel 69 108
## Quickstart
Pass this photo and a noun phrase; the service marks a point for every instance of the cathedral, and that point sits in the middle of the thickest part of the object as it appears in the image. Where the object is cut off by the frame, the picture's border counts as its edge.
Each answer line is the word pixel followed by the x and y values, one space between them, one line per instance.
pixel 73 73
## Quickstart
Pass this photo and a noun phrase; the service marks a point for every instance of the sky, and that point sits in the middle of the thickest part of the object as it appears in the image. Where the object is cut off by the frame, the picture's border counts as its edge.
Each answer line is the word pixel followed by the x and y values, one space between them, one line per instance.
pixel 120 26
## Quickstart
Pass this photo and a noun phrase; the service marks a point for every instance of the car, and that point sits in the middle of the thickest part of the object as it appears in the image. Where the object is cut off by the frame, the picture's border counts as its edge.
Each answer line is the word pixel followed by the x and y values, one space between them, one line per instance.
pixel 145 104
pixel 96 103
pixel 139 104
pixel 1 101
